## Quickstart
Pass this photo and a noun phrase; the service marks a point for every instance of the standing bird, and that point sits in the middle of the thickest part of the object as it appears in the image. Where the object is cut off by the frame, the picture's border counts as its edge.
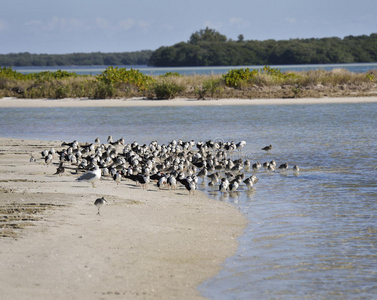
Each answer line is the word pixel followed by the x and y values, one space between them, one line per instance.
pixel 256 166
pixel 161 183
pixel 251 181
pixel 224 185
pixel 233 186
pixel 296 169
pixel 91 176
pixel 48 159
pixel 60 170
pixel 172 181
pixel 99 203
pixel 283 166
pixel 267 148
pixel 117 177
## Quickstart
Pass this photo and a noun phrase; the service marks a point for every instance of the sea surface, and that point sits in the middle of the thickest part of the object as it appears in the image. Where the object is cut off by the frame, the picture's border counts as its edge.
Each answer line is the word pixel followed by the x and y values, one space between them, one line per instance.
pixel 311 235
pixel 94 70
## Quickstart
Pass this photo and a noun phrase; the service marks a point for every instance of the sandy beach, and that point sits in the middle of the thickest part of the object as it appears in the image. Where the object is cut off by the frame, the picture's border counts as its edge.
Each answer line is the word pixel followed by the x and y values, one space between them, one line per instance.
pixel 73 102
pixel 146 244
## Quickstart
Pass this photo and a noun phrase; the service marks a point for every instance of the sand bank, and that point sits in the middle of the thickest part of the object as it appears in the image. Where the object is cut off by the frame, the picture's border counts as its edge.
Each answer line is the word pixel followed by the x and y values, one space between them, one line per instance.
pixel 145 244
pixel 70 102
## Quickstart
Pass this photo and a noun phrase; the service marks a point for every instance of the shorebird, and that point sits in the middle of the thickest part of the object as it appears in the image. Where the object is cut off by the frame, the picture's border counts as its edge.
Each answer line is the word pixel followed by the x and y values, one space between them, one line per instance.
pixel 256 166
pixel 267 148
pixel 283 166
pixel 189 184
pixel 48 159
pixel 117 177
pixel 162 182
pixel 99 203
pixel 296 168
pixel 60 170
pixel 249 183
pixel 240 145
pixel 172 181
pixel 233 186
pixel 224 185
pixel 91 176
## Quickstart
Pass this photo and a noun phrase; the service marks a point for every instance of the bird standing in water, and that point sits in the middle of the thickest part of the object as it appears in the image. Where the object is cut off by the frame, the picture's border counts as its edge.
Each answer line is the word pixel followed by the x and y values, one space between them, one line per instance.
pixel 267 148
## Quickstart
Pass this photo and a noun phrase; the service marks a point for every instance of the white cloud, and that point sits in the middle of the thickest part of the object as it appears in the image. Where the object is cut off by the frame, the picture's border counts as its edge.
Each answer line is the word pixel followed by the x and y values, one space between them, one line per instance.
pixel 55 24
pixel 131 23
pixel 239 22
pixel 291 20
pixel 102 23
pixel 127 24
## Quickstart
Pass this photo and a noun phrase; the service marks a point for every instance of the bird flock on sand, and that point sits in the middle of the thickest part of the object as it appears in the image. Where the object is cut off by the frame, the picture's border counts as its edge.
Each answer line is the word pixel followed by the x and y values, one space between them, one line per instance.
pixel 169 166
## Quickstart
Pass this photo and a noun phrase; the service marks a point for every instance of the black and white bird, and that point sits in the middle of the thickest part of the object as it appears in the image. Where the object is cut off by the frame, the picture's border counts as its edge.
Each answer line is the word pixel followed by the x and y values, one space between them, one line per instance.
pixel 99 203
pixel 224 185
pixel 117 177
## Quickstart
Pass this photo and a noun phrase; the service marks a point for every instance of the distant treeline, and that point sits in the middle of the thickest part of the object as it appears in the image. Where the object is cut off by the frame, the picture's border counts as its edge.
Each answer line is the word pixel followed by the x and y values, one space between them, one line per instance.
pixel 76 59
pixel 207 47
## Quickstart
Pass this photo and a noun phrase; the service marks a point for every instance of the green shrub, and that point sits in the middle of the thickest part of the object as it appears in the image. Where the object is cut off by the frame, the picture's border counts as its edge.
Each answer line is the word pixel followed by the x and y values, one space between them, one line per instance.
pixel 115 76
pixel 61 91
pixel 103 90
pixel 171 74
pixel 167 89
pixel 209 87
pixel 233 78
pixel 8 73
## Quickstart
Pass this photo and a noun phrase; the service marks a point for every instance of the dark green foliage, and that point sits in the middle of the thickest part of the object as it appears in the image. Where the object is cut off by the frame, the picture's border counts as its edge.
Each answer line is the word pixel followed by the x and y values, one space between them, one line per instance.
pixel 209 48
pixel 207 35
pixel 103 90
pixel 171 74
pixel 78 59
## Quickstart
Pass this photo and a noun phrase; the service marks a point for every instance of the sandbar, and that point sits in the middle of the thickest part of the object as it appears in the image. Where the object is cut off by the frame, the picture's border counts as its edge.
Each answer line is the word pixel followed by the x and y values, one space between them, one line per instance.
pixel 133 102
pixel 146 244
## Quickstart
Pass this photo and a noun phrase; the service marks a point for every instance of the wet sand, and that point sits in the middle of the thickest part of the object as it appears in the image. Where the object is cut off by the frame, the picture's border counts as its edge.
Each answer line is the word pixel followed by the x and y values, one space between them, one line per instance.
pixel 146 244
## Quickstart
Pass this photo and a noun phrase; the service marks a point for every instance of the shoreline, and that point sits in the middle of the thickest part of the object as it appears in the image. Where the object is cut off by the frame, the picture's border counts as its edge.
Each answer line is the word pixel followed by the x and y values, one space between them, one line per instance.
pixel 140 102
pixel 145 244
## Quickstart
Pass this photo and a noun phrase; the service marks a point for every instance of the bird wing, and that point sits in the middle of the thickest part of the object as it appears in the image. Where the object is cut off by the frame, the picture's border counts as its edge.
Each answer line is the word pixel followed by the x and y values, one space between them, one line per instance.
pixel 87 176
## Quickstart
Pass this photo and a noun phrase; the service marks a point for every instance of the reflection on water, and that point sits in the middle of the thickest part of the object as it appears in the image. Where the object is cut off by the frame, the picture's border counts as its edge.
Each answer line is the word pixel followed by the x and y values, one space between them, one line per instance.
pixel 311 234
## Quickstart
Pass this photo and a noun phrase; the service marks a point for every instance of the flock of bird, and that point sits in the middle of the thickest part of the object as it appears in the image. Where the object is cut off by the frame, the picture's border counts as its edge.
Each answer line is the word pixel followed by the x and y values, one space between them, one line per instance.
pixel 169 165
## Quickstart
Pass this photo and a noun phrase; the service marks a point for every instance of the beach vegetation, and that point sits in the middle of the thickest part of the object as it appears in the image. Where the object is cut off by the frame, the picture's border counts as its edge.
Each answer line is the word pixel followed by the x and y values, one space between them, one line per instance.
pixel 166 89
pixel 265 82
pixel 211 87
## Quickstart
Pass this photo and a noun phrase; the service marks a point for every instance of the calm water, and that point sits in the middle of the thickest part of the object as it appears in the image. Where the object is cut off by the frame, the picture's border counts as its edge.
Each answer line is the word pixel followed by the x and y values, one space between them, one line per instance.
pixel 94 70
pixel 312 235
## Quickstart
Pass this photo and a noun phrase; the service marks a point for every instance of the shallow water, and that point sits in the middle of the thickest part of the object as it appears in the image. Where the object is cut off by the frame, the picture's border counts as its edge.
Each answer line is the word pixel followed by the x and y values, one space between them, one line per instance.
pixel 310 235
pixel 94 70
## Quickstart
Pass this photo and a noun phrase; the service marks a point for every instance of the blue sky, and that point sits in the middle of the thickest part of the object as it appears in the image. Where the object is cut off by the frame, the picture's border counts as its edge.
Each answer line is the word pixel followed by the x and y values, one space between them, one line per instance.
pixel 67 26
